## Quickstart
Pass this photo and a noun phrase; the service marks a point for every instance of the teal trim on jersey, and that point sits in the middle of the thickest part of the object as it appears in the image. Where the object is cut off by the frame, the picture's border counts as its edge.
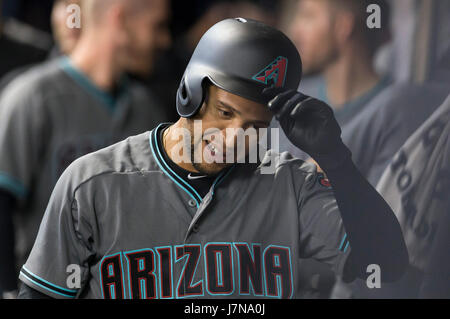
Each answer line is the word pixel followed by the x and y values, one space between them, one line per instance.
pixel 46 288
pixel 221 178
pixel 174 176
pixel 12 185
pixel 163 165
pixel 361 100
pixel 72 292
pixel 155 136
pixel 351 108
pixel 342 242
pixel 79 77
pixel 346 246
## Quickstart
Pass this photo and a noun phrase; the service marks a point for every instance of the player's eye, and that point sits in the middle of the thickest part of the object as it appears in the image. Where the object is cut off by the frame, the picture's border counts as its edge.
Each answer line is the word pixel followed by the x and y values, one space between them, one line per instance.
pixel 225 113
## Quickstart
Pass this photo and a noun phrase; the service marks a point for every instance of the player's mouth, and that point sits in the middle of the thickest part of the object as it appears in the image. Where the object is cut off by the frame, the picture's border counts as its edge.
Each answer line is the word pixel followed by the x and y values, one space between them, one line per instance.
pixel 214 152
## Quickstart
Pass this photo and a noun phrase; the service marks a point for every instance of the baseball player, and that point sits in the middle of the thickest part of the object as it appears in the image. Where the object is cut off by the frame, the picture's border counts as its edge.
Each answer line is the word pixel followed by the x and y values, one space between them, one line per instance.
pixel 135 221
pixel 63 109
pixel 415 185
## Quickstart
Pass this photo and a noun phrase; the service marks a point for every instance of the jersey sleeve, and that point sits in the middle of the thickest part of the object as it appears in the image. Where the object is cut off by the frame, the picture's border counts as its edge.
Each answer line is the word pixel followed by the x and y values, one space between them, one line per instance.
pixel 58 263
pixel 322 233
pixel 22 130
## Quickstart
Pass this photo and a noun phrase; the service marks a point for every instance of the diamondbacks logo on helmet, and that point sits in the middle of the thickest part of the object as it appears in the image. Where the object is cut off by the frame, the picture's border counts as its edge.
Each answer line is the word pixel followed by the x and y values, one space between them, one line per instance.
pixel 274 74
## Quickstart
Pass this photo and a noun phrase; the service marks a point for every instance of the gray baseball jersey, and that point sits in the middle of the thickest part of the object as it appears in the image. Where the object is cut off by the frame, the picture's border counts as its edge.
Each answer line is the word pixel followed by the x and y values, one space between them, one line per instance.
pixel 136 229
pixel 50 116
pixel 415 185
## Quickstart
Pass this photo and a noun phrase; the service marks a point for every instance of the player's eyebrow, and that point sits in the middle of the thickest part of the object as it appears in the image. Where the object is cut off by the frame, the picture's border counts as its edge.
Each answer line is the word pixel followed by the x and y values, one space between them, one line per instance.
pixel 229 106
pixel 262 123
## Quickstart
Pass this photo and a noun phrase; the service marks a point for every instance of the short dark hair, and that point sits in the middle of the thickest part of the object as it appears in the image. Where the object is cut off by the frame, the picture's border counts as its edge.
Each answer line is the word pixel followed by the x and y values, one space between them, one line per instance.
pixel 373 38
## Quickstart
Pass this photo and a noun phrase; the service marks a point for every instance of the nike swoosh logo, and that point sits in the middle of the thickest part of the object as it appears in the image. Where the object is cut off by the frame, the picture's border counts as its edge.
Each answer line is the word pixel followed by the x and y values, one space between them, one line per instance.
pixel 195 177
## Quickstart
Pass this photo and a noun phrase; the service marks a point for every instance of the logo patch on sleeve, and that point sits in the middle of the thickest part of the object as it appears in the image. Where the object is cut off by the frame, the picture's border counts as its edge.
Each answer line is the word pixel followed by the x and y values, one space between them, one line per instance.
pixel 323 181
pixel 274 73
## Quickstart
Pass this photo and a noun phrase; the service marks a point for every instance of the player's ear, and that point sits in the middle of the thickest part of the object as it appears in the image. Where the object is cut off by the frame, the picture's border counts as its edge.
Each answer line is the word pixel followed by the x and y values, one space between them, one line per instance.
pixel 119 23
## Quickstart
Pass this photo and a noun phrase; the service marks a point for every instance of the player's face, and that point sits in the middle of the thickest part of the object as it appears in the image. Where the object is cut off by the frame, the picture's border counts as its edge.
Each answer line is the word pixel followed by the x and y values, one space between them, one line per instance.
pixel 148 35
pixel 223 112
pixel 313 33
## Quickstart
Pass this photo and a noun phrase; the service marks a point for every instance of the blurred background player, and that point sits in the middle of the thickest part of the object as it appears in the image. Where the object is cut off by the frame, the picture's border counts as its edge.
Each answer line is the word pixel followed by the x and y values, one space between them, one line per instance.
pixel 68 107
pixel 338 49
pixel 389 120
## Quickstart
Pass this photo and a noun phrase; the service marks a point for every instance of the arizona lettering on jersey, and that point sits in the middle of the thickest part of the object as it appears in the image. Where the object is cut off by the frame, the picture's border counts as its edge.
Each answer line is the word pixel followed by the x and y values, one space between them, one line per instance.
pixel 170 272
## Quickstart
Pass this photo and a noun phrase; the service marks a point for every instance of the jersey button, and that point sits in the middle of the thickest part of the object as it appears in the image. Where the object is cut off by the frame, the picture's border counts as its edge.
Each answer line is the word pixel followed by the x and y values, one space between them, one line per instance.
pixel 192 203
pixel 195 229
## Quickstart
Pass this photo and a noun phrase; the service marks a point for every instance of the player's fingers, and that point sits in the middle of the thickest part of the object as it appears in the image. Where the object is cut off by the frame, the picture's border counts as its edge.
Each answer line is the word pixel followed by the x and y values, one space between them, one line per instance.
pixel 289 105
pixel 277 103
pixel 301 106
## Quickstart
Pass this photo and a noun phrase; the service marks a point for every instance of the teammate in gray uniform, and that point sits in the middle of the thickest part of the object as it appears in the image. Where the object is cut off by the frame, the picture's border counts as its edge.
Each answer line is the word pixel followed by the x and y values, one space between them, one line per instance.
pixel 64 109
pixel 139 223
pixel 415 185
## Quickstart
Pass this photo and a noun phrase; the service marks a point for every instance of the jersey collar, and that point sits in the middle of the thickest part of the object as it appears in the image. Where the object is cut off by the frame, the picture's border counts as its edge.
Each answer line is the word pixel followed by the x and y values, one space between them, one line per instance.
pixel 178 180
pixel 79 77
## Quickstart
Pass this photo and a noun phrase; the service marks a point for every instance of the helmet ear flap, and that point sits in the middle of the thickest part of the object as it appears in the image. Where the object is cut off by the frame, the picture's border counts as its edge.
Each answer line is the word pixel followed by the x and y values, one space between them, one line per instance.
pixel 182 94
pixel 190 95
pixel 184 99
